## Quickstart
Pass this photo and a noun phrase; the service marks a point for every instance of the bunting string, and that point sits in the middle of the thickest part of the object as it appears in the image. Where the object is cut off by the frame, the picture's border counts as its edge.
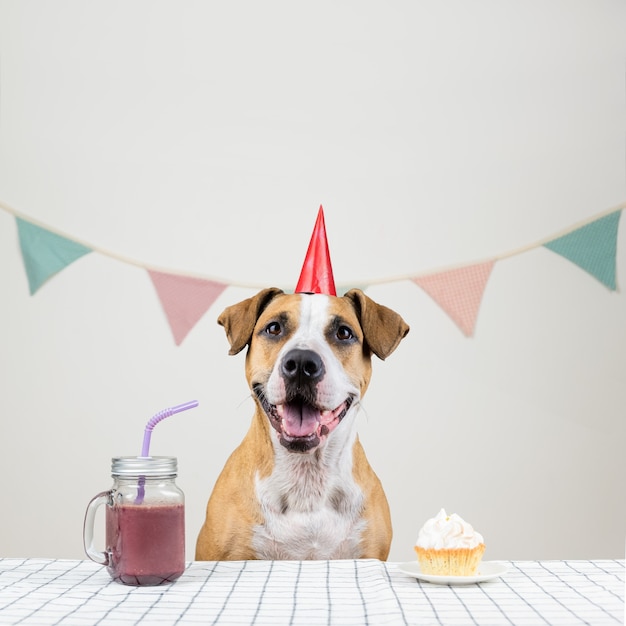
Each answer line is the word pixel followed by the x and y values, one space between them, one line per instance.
pixel 185 297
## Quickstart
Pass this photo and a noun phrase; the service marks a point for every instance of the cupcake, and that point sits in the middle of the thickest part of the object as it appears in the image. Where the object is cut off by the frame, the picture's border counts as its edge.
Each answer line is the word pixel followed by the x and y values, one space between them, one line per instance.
pixel 448 546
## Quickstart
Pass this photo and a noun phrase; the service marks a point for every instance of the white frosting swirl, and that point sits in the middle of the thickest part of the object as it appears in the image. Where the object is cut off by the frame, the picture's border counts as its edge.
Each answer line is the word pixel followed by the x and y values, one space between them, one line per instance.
pixel 448 532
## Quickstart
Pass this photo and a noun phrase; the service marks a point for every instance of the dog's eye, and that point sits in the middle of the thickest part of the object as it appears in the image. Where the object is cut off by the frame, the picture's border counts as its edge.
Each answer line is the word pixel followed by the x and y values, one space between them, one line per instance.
pixel 344 333
pixel 273 328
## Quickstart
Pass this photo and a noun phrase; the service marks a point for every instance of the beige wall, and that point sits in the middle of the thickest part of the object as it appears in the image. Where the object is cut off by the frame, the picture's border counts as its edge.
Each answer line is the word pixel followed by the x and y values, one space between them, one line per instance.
pixel 202 137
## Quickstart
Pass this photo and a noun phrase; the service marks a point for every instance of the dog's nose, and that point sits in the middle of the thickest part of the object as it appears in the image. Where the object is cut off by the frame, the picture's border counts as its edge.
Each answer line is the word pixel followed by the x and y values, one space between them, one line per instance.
pixel 303 366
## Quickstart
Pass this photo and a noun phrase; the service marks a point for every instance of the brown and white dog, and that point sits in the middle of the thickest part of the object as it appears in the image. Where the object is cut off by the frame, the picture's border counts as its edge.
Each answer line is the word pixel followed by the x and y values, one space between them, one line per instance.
pixel 299 486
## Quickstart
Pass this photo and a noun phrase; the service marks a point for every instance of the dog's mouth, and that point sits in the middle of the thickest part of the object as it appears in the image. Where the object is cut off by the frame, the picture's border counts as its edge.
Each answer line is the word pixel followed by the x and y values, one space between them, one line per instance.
pixel 301 426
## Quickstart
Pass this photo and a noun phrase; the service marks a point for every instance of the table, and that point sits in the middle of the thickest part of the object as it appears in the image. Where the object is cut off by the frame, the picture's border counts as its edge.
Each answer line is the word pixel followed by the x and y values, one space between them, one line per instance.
pixel 47 591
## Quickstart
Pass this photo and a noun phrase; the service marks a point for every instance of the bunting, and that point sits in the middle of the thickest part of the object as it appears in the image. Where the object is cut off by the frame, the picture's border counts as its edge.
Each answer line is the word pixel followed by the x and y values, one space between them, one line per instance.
pixel 45 253
pixel 458 291
pixel 592 247
pixel 184 299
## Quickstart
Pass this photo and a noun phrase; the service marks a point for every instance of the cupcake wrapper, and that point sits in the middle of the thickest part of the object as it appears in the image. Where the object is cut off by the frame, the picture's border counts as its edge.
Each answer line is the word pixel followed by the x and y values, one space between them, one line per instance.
pixel 454 562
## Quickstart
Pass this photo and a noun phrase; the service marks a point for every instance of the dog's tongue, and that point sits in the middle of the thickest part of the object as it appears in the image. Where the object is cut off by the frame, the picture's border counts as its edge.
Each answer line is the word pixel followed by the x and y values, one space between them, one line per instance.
pixel 299 420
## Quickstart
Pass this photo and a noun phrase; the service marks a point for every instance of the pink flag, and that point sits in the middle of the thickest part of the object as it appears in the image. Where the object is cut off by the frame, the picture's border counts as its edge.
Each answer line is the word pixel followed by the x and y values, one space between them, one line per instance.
pixel 459 292
pixel 184 300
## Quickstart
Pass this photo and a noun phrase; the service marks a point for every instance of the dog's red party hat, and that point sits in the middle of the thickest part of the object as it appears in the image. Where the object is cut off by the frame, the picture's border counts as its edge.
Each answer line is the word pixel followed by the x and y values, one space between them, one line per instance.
pixel 316 275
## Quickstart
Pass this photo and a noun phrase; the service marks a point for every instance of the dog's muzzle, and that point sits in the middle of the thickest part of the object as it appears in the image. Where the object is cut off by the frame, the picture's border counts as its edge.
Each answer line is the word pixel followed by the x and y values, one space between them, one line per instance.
pixel 299 419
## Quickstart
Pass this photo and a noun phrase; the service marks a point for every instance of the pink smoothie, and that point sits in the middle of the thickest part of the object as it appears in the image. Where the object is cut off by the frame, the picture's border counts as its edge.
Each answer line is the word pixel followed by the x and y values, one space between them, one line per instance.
pixel 146 543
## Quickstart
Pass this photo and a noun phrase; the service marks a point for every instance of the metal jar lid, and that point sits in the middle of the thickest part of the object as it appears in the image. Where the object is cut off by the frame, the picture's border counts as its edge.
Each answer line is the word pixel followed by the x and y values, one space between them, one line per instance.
pixel 127 466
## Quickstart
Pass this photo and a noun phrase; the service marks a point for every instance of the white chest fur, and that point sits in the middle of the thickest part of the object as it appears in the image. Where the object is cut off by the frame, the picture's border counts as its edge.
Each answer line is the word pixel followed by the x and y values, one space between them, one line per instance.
pixel 310 512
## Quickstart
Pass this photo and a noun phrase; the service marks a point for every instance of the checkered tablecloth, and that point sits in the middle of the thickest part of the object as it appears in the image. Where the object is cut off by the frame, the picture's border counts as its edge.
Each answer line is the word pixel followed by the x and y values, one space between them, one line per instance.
pixel 41 591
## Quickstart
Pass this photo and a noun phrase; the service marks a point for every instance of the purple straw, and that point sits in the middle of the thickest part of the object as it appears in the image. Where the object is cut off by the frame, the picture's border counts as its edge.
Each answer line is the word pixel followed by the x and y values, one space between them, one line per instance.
pixel 145 450
pixel 161 416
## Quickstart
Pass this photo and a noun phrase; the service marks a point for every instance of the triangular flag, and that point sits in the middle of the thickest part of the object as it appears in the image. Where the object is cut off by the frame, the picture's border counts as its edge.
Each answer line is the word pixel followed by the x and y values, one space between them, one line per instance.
pixel 459 292
pixel 184 300
pixel 592 247
pixel 45 253
pixel 316 275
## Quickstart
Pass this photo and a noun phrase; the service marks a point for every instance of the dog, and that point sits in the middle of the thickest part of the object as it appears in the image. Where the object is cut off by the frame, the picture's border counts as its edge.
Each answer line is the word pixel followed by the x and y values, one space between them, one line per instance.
pixel 299 485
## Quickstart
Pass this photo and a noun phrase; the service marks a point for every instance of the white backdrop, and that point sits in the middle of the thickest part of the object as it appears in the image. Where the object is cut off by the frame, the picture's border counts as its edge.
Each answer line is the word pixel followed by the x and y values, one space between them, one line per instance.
pixel 202 137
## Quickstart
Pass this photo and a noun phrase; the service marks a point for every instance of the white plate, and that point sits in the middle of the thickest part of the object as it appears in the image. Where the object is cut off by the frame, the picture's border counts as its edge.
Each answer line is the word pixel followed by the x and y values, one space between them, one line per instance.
pixel 487 570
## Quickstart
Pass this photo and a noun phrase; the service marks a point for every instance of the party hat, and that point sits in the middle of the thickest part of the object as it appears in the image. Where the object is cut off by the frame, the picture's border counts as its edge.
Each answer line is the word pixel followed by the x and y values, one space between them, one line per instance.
pixel 316 275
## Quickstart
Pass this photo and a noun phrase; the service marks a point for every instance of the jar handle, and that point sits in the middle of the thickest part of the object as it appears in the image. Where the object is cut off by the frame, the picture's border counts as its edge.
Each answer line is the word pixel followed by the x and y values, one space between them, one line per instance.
pixel 99 557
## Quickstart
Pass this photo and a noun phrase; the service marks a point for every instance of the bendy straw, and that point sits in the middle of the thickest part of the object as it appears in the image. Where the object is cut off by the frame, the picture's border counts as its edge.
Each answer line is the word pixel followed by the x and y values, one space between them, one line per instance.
pixel 161 415
pixel 145 449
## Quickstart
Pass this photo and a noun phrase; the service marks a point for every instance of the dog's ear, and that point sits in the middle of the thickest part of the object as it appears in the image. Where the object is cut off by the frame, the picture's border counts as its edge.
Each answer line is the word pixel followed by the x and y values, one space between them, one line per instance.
pixel 239 319
pixel 382 327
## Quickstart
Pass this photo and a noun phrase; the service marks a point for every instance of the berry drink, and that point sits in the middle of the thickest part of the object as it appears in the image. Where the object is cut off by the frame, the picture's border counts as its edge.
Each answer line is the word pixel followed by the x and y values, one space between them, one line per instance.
pixel 145 543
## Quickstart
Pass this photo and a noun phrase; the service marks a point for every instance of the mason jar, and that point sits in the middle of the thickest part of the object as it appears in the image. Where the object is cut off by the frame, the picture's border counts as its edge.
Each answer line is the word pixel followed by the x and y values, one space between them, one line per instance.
pixel 145 522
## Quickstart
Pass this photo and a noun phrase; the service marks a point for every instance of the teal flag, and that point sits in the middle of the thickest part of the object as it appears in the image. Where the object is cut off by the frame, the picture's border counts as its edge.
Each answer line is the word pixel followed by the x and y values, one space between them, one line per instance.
pixel 592 247
pixel 45 253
